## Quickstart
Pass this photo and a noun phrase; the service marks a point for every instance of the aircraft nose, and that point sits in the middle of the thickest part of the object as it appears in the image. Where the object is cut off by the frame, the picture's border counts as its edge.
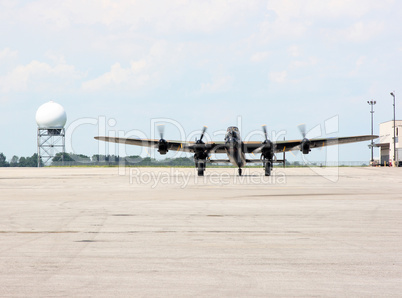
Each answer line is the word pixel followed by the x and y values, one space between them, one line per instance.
pixel 232 140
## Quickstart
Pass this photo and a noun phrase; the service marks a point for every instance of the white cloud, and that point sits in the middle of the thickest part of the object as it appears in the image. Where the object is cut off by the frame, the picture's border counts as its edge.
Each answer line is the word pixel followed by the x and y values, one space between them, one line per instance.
pixel 361 31
pixel 7 54
pixel 357 32
pixel 159 66
pixel 55 57
pixel 360 62
pixel 119 76
pixel 35 75
pixel 278 77
pixel 290 9
pixel 304 63
pixel 294 51
pixel 164 16
pixel 219 84
pixel 260 56
pixel 280 29
pixel 350 20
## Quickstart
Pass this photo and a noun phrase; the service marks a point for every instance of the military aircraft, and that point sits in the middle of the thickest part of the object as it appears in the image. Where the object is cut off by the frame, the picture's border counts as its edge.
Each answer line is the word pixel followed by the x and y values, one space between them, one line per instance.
pixel 235 148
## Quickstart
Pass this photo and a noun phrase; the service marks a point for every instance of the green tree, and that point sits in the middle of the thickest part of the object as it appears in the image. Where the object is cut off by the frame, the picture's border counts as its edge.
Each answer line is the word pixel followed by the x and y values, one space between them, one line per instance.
pixel 132 160
pixel 80 159
pixel 97 158
pixel 62 156
pixel 22 162
pixel 147 161
pixel 29 161
pixel 113 159
pixel 3 161
pixel 70 159
pixel 33 160
pixel 180 161
pixel 14 161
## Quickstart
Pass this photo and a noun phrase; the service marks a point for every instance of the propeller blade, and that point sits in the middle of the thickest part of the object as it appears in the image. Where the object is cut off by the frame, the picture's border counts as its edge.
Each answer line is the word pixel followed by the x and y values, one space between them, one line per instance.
pixel 258 150
pixel 264 129
pixel 161 129
pixel 302 128
pixel 203 132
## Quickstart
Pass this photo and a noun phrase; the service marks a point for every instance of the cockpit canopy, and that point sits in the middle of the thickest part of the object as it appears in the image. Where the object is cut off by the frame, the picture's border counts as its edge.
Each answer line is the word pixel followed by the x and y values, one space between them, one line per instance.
pixel 232 128
pixel 232 133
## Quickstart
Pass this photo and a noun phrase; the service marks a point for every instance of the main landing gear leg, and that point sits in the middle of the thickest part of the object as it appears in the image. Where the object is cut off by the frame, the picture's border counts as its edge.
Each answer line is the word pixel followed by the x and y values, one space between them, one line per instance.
pixel 268 167
pixel 200 167
pixel 239 171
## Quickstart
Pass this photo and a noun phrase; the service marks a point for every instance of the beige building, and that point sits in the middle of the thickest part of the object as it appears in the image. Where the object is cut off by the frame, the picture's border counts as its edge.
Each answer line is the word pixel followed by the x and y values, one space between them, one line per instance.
pixel 385 142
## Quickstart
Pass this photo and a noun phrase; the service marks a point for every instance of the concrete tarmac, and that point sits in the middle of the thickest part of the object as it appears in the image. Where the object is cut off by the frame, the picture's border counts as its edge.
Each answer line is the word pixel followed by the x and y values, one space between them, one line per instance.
pixel 161 232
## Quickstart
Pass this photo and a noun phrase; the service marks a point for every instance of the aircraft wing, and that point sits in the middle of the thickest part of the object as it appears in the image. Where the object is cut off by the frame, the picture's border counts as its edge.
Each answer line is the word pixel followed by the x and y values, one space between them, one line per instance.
pixel 212 147
pixel 249 147
pixel 284 146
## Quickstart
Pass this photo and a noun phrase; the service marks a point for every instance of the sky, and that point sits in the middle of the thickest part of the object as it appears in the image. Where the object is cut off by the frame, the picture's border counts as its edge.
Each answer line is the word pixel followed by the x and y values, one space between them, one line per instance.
pixel 119 67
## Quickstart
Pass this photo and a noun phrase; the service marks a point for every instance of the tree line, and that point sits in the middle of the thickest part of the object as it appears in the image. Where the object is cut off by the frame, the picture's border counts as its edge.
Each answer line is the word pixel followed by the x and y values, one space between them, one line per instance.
pixel 16 161
pixel 71 159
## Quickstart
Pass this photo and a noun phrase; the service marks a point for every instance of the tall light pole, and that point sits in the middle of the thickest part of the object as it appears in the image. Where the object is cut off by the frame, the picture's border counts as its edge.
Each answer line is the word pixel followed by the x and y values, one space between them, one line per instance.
pixel 394 161
pixel 372 103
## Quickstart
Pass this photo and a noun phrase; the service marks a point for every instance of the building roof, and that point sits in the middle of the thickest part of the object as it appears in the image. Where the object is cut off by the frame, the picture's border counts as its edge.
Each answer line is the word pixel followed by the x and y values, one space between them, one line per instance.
pixel 391 121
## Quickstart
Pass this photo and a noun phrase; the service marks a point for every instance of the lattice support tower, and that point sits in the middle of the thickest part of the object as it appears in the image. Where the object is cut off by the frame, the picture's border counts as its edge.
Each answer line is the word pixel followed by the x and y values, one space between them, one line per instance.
pixel 50 142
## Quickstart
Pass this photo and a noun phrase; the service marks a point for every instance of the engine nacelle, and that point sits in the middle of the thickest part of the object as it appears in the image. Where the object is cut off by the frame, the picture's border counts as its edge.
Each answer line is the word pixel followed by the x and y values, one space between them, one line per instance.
pixel 305 146
pixel 268 150
pixel 162 146
pixel 200 155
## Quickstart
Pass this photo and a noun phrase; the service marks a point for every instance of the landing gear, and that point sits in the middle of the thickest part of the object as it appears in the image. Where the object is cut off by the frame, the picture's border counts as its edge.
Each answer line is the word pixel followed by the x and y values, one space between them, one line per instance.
pixel 268 167
pixel 240 171
pixel 201 154
pixel 200 165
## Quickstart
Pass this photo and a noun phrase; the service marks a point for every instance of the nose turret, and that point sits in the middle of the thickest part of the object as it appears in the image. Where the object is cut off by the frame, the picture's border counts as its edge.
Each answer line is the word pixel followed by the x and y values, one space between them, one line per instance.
pixel 232 135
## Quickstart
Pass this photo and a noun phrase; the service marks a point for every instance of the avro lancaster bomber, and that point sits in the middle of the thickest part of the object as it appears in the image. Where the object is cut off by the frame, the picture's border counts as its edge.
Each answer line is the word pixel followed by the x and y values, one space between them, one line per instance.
pixel 236 149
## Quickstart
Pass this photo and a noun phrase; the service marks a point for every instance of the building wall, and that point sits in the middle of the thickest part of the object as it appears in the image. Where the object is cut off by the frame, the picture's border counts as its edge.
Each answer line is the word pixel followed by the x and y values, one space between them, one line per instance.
pixel 386 137
pixel 384 155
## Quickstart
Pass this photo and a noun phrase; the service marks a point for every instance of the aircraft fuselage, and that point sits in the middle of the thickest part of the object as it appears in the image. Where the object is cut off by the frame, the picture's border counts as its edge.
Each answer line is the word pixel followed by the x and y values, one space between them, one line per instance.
pixel 234 148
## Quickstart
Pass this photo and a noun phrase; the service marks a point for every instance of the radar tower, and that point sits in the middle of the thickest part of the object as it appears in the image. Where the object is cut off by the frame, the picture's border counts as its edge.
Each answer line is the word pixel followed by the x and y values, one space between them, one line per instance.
pixel 51 118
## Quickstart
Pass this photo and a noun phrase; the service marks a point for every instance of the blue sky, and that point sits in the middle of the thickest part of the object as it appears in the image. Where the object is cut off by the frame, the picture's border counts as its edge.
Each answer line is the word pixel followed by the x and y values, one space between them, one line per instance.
pixel 279 63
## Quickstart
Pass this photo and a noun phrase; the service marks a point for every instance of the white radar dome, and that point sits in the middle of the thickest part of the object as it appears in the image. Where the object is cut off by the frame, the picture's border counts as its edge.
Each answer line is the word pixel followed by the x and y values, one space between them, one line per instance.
pixel 51 115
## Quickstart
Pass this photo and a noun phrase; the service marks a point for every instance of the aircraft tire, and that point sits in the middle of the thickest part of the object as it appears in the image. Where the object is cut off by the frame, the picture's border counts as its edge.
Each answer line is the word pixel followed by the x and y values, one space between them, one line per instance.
pixel 268 169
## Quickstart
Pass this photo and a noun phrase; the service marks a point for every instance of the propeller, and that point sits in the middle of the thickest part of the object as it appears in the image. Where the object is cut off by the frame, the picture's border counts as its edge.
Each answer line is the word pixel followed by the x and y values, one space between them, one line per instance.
pixel 305 144
pixel 202 136
pixel 162 144
pixel 267 147
pixel 200 149
pixel 302 129
pixel 264 129
pixel 161 129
